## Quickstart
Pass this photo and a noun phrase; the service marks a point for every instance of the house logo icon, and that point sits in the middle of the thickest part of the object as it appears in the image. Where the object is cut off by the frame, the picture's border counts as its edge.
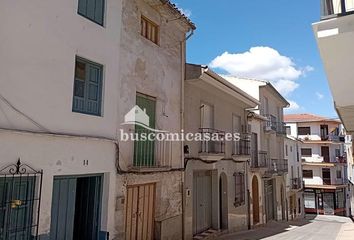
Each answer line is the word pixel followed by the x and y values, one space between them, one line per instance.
pixel 138 116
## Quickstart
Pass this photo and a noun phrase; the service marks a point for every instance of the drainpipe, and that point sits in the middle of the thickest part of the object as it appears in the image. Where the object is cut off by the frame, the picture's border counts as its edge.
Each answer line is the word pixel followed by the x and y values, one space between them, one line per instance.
pixel 183 73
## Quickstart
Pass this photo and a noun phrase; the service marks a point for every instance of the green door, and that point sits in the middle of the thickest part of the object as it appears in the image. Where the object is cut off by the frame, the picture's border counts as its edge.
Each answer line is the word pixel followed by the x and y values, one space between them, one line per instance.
pixel 16 208
pixel 144 150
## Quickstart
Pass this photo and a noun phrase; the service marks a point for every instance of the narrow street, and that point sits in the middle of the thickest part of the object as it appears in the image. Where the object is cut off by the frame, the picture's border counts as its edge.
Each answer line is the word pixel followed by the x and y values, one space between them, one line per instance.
pixel 311 228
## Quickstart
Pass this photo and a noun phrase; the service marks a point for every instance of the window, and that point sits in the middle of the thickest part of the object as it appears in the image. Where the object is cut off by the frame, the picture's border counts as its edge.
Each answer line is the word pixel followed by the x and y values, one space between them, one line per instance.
pixel 310 200
pixel 87 87
pixel 337 152
pixel 306 152
pixel 240 189
pixel 92 9
pixel 339 174
pixel 288 130
pixel 291 148
pixel 307 174
pixel 340 199
pixel 286 150
pixel 149 30
pixel 303 131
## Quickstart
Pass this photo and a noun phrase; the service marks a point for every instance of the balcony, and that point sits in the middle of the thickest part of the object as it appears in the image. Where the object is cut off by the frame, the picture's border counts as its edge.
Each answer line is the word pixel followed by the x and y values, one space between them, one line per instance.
pixel 341 159
pixel 277 166
pixel 272 125
pixel 259 159
pixel 242 147
pixel 212 146
pixel 151 154
pixel 336 8
pixel 296 183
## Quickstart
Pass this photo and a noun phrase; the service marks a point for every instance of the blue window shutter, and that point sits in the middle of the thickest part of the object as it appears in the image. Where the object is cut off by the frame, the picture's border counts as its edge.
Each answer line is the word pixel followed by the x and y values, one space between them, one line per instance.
pixel 99 10
pixel 88 92
pixel 82 7
pixel 92 9
pixel 91 5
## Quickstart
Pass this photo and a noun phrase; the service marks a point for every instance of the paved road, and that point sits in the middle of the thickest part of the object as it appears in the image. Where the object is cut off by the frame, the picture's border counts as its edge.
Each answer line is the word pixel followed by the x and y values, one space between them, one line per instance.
pixel 312 228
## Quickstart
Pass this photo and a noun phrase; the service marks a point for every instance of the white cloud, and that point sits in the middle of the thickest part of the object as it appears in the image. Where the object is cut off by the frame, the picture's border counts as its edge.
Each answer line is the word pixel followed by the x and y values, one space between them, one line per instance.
pixel 285 86
pixel 263 63
pixel 186 12
pixel 320 96
pixel 293 106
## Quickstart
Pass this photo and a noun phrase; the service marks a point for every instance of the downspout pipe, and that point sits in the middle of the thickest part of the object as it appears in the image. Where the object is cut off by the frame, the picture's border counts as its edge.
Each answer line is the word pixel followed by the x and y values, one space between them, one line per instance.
pixel 184 75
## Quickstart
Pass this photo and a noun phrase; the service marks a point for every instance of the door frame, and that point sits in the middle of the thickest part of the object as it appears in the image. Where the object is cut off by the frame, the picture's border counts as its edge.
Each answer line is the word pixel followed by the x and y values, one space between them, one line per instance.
pixel 100 198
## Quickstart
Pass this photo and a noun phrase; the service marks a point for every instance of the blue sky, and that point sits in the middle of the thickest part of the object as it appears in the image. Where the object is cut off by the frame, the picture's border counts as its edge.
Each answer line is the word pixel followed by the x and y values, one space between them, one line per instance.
pixel 269 39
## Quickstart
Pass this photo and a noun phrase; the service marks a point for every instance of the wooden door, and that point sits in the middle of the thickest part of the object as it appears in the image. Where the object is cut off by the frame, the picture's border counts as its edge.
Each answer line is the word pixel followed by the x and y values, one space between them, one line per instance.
pixel 255 200
pixel 201 201
pixel 140 209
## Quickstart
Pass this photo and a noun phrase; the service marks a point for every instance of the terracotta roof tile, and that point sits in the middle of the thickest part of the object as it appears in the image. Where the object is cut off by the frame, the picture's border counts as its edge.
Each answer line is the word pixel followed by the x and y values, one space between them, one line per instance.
pixel 307 117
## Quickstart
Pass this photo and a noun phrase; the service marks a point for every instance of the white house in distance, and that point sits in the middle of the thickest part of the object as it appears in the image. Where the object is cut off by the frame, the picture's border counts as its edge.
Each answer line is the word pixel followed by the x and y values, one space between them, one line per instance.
pixel 294 182
pixel 324 163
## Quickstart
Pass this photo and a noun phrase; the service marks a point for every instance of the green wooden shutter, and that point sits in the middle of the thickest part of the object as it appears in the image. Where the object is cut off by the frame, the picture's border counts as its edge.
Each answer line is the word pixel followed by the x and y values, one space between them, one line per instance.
pixel 144 151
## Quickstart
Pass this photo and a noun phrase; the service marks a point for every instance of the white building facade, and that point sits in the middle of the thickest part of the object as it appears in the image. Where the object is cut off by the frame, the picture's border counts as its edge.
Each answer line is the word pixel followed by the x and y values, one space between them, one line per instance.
pixel 269 162
pixel 59 84
pixel 324 162
pixel 294 181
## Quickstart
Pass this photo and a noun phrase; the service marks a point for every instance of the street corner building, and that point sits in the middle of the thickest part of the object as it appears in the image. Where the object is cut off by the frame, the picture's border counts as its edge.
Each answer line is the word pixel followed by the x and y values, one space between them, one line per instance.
pixel 324 163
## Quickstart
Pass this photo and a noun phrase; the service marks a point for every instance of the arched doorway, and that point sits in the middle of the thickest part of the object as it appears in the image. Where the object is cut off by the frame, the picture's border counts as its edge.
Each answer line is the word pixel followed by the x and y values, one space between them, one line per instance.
pixel 223 202
pixel 255 200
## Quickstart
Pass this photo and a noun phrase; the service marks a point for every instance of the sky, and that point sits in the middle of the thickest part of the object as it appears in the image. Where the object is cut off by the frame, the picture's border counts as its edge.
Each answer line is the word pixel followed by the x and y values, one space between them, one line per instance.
pixel 270 40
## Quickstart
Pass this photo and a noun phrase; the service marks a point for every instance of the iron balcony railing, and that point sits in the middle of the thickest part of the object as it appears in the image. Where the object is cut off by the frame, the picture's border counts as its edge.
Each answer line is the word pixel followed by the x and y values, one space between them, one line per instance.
pixel 279 166
pixel 335 8
pixel 281 128
pixel 259 159
pixel 152 153
pixel 242 146
pixel 213 141
pixel 271 123
pixel 341 159
pixel 296 183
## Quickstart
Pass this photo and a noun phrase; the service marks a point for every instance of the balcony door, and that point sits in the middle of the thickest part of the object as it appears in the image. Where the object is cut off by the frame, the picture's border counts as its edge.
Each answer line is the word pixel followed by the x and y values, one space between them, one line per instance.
pixel 206 116
pixel 325 153
pixel 326 176
pixel 324 132
pixel 144 151
pixel 207 126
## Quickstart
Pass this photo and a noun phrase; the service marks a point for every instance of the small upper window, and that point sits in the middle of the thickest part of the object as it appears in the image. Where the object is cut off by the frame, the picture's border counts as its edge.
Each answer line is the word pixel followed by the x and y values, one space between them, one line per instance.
pixel 92 9
pixel 149 30
pixel 87 87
